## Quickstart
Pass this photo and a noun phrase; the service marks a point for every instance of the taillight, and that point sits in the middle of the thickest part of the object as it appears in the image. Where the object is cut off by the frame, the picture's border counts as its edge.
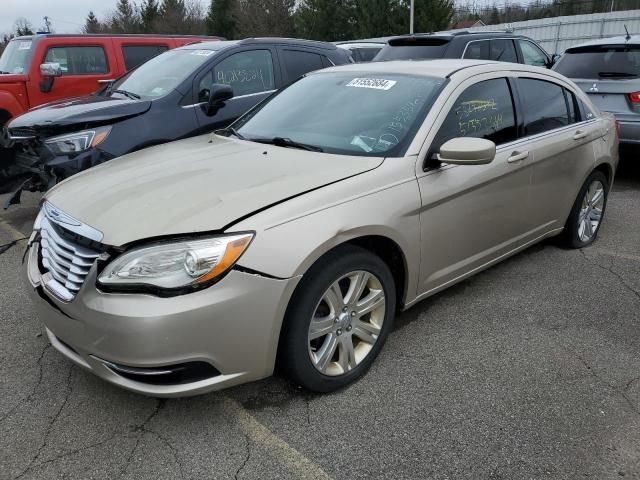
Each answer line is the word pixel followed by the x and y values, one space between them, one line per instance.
pixel 618 128
pixel 634 97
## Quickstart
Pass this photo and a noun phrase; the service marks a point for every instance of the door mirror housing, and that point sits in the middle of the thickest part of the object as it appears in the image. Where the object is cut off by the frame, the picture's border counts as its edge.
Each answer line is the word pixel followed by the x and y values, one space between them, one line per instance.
pixel 467 151
pixel 50 70
pixel 554 58
pixel 218 94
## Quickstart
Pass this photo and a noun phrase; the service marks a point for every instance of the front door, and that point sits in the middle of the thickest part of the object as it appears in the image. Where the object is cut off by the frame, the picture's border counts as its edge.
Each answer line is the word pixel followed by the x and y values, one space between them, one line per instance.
pixel 473 215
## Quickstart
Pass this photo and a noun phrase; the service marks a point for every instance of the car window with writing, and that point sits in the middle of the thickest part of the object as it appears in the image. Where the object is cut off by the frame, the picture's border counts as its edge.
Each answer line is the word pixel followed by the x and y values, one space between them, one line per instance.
pixel 484 110
pixel 246 72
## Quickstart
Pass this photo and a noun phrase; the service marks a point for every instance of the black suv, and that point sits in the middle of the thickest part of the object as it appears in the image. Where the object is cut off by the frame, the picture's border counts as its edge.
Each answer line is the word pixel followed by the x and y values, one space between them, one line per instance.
pixel 476 45
pixel 183 92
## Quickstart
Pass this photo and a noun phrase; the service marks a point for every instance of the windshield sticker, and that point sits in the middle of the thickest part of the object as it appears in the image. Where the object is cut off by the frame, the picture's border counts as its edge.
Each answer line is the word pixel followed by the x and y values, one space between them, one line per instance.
pixel 24 45
pixel 202 53
pixel 374 83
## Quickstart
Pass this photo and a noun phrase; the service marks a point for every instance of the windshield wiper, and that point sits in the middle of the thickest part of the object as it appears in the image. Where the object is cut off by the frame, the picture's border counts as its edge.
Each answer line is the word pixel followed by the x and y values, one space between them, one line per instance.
pixel 234 132
pixel 288 143
pixel 616 74
pixel 131 95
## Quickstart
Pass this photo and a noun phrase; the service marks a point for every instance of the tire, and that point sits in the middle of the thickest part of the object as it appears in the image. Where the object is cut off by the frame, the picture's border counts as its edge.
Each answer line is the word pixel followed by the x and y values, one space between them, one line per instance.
pixel 578 233
pixel 300 357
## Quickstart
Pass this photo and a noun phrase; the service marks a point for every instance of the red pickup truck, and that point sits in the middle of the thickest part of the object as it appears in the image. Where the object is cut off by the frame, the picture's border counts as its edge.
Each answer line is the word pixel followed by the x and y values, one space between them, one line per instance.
pixel 46 67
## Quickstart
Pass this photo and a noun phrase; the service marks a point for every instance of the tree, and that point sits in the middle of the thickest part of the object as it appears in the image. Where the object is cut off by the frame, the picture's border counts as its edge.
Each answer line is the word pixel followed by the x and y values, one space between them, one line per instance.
pixel 172 17
pixel 379 18
pixel 125 18
pixel 149 13
pixel 326 19
pixel 264 18
pixel 23 27
pixel 431 15
pixel 221 19
pixel 91 24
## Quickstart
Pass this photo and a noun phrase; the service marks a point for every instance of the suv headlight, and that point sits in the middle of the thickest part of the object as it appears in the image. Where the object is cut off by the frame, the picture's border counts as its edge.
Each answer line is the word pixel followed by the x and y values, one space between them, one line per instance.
pixel 77 142
pixel 176 266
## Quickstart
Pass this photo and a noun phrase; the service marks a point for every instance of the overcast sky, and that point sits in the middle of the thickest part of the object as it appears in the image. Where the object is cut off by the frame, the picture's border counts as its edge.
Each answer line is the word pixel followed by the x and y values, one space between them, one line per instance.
pixel 67 16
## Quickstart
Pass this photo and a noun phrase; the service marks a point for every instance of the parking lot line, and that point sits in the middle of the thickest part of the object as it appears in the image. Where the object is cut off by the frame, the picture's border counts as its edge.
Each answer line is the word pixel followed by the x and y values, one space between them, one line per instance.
pixel 11 230
pixel 258 433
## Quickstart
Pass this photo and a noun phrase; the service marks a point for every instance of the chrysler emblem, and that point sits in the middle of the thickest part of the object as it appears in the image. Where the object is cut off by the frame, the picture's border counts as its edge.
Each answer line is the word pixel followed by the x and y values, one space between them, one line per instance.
pixel 57 216
pixel 594 88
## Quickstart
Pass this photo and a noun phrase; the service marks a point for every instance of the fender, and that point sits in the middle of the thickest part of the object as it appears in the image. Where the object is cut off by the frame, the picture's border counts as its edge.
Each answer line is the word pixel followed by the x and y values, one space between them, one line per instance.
pixel 11 104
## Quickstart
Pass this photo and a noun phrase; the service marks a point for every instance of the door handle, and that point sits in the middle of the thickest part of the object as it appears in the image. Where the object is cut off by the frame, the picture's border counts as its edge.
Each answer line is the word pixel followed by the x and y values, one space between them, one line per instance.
pixel 106 80
pixel 579 135
pixel 517 156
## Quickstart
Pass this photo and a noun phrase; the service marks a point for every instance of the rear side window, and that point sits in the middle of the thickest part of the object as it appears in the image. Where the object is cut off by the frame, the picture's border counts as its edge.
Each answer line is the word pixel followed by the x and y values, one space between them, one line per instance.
pixel 297 63
pixel 136 55
pixel 574 115
pixel 503 50
pixel 602 61
pixel 484 110
pixel 364 54
pixel 543 104
pixel 413 48
pixel 477 50
pixel 81 60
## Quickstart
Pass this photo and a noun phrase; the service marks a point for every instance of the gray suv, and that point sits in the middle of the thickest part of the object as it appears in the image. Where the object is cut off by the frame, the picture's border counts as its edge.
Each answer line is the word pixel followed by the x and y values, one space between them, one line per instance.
pixel 608 71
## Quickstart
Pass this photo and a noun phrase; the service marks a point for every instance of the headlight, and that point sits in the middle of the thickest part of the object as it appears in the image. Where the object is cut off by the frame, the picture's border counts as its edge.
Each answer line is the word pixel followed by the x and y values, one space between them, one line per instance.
pixel 77 142
pixel 175 265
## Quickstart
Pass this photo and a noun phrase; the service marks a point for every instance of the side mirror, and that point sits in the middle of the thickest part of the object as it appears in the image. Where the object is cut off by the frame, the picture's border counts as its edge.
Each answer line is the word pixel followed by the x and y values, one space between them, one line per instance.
pixel 50 70
pixel 554 58
pixel 467 151
pixel 218 94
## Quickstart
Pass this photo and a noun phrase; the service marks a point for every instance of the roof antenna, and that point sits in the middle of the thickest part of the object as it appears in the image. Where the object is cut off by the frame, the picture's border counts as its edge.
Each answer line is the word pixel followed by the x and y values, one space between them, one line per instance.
pixel 628 37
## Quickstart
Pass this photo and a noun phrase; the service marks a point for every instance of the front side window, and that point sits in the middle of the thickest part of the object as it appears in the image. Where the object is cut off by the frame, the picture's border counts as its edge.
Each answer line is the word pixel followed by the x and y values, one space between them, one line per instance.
pixel 136 55
pixel 477 50
pixel 543 104
pixel 503 50
pixel 484 110
pixel 356 113
pixel 532 55
pixel 81 60
pixel 15 58
pixel 246 72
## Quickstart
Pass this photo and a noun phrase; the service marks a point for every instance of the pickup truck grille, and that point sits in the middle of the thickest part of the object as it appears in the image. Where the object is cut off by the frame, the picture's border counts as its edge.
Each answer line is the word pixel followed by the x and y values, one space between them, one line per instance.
pixel 66 260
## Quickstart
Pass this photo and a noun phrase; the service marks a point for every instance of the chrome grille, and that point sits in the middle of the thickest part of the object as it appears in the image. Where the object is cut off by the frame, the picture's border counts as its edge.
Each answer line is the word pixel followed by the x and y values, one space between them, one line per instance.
pixel 66 261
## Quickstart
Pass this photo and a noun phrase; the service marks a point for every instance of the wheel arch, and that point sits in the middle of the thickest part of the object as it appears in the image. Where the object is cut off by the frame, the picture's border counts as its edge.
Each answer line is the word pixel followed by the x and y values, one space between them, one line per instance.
pixel 607 170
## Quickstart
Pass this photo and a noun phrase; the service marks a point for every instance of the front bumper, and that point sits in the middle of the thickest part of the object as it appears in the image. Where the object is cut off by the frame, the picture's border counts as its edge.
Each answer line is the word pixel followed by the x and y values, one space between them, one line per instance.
pixel 234 326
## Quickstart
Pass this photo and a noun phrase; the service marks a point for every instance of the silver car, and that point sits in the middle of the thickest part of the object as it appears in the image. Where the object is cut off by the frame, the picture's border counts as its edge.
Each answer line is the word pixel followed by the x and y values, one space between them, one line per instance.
pixel 608 70
pixel 293 238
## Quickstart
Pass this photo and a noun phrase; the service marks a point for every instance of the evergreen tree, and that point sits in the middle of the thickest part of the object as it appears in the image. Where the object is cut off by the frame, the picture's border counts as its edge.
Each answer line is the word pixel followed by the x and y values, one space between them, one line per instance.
pixel 221 19
pixel 172 17
pixel 328 20
pixel 431 15
pixel 23 27
pixel 380 18
pixel 125 19
pixel 149 12
pixel 91 24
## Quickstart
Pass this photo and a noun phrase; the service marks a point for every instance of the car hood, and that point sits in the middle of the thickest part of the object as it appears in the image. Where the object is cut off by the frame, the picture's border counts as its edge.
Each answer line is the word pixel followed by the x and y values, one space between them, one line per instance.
pixel 200 184
pixel 87 110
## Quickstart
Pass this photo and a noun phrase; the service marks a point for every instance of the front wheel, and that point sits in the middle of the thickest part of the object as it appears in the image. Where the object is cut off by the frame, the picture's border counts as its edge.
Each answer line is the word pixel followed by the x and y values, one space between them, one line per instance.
pixel 338 319
pixel 587 213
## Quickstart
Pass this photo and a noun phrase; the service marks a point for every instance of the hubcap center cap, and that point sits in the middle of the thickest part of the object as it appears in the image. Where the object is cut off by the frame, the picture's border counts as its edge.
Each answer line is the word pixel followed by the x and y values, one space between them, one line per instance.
pixel 344 320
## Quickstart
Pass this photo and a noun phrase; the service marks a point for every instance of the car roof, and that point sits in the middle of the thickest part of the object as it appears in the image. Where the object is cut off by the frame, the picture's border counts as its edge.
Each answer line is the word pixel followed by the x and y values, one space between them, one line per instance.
pixel 619 40
pixel 451 34
pixel 221 45
pixel 438 68
pixel 112 35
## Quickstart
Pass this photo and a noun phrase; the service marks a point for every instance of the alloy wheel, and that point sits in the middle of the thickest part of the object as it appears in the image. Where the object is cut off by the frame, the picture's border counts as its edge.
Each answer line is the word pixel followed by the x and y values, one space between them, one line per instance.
pixel 591 211
pixel 346 323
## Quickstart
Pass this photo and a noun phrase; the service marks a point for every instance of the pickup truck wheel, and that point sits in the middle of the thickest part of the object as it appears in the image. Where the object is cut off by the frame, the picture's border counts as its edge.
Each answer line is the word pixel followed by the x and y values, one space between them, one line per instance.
pixel 338 319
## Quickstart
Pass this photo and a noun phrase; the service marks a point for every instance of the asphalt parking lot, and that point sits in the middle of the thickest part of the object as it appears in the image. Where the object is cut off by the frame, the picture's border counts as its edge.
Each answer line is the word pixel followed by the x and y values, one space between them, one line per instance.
pixel 528 370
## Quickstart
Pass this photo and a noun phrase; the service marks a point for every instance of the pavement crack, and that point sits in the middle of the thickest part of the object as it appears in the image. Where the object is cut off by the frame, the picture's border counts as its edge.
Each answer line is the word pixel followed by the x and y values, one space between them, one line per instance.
pixel 627 386
pixel 141 431
pixel 247 457
pixel 33 390
pixel 50 425
pixel 610 269
pixel 7 246
pixel 170 446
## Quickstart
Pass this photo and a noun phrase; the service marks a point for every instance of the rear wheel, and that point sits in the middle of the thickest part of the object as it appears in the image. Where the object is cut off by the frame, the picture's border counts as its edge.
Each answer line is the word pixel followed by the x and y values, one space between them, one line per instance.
pixel 338 320
pixel 587 213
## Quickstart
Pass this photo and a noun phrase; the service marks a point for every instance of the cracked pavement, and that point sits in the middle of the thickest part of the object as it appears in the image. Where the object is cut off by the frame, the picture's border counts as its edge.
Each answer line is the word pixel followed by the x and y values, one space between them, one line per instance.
pixel 528 370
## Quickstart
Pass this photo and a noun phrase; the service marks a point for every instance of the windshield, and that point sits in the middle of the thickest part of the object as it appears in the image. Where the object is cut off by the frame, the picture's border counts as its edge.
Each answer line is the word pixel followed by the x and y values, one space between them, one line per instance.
pixel 160 75
pixel 602 61
pixel 363 113
pixel 15 58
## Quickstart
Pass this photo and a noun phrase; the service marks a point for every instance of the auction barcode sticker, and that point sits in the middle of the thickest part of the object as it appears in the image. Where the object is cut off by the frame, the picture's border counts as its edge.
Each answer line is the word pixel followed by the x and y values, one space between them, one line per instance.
pixel 375 83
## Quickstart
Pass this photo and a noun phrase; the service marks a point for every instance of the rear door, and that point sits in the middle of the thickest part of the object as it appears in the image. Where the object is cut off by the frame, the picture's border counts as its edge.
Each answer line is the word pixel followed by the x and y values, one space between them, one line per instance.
pixel 253 73
pixel 296 62
pixel 559 139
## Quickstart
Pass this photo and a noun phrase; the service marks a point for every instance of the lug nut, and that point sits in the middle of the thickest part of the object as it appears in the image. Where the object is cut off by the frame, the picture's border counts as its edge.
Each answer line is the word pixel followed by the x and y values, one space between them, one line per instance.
pixel 349 328
pixel 353 314
pixel 336 320
pixel 339 331
pixel 344 309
